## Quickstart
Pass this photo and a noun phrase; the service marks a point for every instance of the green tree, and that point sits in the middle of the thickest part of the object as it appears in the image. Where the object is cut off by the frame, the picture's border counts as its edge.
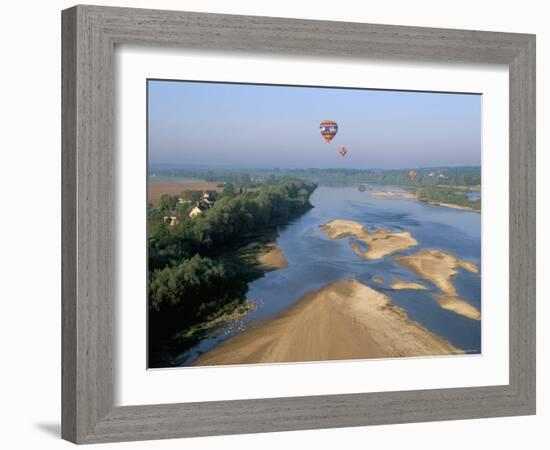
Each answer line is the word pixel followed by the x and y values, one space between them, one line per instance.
pixel 229 190
pixel 167 203
pixel 192 196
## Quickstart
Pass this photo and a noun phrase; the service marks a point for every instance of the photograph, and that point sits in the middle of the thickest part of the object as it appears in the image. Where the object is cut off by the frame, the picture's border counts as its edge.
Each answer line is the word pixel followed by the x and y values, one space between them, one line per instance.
pixel 275 225
pixel 299 224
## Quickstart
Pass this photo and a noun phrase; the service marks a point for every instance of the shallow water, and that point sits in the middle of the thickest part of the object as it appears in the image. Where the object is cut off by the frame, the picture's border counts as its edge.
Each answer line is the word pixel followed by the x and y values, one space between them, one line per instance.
pixel 314 260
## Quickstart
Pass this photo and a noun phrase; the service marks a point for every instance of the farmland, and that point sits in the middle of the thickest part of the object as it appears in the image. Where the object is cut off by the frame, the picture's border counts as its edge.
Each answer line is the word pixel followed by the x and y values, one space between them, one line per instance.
pixel 156 189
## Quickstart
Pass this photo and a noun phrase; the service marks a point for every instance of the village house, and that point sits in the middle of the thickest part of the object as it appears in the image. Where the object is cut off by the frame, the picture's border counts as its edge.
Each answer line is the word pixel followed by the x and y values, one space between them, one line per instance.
pixel 198 209
pixel 207 201
pixel 209 197
pixel 170 220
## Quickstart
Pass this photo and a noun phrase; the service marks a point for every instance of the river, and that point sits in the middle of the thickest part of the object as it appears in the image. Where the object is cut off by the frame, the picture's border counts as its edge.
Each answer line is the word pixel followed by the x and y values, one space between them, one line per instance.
pixel 315 260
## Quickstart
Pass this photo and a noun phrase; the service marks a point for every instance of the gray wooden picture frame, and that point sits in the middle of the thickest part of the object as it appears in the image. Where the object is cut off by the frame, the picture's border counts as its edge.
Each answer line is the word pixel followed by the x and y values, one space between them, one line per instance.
pixel 90 34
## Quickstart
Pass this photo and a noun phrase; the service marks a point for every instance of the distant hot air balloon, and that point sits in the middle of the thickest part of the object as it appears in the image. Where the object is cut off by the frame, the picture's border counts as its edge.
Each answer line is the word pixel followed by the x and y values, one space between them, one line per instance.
pixel 343 151
pixel 412 175
pixel 361 188
pixel 328 128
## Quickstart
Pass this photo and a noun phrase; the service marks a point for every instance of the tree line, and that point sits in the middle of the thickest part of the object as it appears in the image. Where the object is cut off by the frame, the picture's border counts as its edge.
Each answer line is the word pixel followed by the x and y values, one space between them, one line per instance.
pixel 446 176
pixel 429 176
pixel 445 195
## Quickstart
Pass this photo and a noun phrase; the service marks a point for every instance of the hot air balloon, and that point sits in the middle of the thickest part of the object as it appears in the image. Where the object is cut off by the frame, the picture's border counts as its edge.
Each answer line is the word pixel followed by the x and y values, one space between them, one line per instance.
pixel 412 175
pixel 343 151
pixel 361 188
pixel 328 128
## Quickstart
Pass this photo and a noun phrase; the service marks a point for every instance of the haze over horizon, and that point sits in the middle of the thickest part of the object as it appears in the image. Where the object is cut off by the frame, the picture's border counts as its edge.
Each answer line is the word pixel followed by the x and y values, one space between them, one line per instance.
pixel 264 126
pixel 175 166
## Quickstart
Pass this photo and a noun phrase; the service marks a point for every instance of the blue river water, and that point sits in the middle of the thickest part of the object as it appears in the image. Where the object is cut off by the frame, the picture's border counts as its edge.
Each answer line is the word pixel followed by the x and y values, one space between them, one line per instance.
pixel 314 260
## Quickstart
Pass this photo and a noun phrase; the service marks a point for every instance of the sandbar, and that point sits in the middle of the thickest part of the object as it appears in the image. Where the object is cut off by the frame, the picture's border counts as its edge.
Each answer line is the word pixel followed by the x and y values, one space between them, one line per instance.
pixel 397 283
pixel 344 320
pixel 273 258
pixel 440 267
pixel 380 243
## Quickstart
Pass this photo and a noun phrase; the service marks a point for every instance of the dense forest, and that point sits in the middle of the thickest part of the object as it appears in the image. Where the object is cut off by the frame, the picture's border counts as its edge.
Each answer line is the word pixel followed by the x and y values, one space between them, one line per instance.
pixel 195 269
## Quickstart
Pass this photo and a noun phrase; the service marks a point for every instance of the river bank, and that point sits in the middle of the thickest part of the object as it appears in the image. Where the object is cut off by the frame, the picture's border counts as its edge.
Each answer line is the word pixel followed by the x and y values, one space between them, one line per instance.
pixel 414 196
pixel 449 205
pixel 267 256
pixel 272 258
pixel 344 320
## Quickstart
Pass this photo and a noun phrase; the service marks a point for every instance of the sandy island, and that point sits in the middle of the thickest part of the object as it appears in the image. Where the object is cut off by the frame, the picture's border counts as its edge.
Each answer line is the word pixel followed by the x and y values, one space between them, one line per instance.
pixel 380 243
pixel 439 268
pixel 345 320
pixel 394 194
pixel 273 258
pixel 397 283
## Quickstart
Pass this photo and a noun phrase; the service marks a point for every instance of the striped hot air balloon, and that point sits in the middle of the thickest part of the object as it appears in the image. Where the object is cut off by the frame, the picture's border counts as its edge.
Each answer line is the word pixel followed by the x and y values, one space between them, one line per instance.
pixel 412 175
pixel 328 128
pixel 343 151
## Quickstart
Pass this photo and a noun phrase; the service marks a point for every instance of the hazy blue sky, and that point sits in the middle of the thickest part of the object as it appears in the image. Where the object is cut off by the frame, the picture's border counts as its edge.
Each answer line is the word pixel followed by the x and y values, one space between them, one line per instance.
pixel 233 125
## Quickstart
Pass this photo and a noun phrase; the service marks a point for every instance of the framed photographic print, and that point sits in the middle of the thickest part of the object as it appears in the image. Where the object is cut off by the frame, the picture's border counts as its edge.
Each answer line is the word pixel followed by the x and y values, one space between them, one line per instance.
pixel 268 222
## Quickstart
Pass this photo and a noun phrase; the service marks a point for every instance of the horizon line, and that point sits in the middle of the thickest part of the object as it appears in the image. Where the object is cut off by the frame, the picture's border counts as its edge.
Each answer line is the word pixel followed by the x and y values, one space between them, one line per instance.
pixel 198 167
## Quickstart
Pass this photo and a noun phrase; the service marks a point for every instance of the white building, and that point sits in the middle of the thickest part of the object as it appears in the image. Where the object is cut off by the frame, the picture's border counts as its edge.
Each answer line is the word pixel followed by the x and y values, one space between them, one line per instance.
pixel 170 220
pixel 198 209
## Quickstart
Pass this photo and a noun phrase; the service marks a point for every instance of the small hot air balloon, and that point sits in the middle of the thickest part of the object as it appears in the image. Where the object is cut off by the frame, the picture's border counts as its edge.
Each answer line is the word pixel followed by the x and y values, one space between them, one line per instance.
pixel 328 128
pixel 412 175
pixel 361 188
pixel 343 151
